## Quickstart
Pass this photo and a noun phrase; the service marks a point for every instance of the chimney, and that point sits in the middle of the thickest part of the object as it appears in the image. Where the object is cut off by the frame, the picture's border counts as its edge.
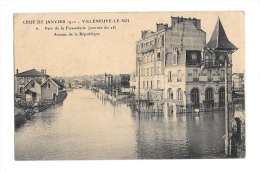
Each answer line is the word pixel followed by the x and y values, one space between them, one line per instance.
pixel 17 71
pixel 161 26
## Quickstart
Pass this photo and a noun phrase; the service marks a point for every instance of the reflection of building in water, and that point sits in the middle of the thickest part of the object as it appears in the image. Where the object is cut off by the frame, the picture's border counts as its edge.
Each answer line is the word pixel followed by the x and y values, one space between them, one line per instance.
pixel 176 66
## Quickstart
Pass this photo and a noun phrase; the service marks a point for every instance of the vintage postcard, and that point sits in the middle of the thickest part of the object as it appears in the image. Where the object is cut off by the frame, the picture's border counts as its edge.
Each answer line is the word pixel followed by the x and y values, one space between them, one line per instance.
pixel 129 85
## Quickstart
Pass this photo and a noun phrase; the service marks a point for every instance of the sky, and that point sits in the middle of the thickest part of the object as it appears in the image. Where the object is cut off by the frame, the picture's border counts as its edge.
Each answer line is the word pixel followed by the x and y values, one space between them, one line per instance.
pixel 113 51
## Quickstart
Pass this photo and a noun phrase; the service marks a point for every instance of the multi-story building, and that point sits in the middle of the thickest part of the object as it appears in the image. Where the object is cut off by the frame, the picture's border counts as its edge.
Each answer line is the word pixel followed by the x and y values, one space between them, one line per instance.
pixel 177 66
pixel 21 79
pixel 196 79
pixel 157 50
pixel 238 82
pixel 183 53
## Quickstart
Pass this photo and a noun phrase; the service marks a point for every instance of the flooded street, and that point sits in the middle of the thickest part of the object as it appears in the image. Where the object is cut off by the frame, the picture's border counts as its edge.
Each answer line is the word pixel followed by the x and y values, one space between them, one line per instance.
pixel 85 127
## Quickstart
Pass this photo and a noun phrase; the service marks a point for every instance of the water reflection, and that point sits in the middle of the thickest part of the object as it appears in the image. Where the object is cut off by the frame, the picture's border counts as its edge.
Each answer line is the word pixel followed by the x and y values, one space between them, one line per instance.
pixel 86 126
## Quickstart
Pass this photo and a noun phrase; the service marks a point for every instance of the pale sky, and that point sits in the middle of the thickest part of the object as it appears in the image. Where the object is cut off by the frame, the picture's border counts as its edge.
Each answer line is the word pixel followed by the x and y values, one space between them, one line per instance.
pixel 113 51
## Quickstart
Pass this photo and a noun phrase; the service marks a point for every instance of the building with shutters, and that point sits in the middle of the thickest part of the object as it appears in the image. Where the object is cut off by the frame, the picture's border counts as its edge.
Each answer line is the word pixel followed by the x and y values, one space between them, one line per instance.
pixel 23 78
pixel 177 66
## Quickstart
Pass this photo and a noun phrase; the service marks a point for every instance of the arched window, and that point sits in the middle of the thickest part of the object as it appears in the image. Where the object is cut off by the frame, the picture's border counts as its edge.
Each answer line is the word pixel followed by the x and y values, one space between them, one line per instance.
pixel 179 94
pixel 209 94
pixel 170 93
pixel 194 96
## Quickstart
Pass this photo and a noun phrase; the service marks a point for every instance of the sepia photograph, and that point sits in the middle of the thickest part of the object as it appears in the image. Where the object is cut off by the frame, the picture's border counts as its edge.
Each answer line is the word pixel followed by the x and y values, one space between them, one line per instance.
pixel 129 85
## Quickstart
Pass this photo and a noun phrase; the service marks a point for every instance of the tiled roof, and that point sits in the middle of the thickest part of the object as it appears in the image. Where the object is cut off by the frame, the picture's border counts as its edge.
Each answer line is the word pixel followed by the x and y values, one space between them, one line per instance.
pixel 219 39
pixel 31 73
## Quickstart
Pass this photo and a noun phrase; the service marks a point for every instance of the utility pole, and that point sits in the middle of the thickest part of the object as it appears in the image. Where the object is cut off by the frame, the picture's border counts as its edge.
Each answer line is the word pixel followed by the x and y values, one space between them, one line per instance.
pixel 139 64
pixel 227 142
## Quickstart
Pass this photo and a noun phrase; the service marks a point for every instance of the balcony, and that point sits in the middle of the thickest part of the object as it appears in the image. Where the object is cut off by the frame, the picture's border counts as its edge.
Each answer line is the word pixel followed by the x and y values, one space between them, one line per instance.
pixel 195 79
pixel 210 79
pixel 195 62
pixel 213 63
pixel 147 49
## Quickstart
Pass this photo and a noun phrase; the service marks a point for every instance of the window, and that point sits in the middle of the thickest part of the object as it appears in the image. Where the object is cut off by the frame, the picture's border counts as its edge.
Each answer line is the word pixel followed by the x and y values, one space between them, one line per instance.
pixel 48 85
pixel 21 81
pixel 222 75
pixel 158 84
pixel 174 59
pixel 179 94
pixel 179 76
pixel 209 94
pixel 151 84
pixel 221 58
pixel 221 93
pixel 195 75
pixel 194 56
pixel 210 76
pixel 151 58
pixel 169 76
pixel 32 84
pixel 147 85
pixel 163 40
pixel 170 94
pixel 194 96
pixel 143 84
pixel 152 71
pixel 158 56
pixel 148 72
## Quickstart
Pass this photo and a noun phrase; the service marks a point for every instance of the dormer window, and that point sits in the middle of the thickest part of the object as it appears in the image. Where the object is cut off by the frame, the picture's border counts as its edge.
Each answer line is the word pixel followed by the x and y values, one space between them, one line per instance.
pixel 48 85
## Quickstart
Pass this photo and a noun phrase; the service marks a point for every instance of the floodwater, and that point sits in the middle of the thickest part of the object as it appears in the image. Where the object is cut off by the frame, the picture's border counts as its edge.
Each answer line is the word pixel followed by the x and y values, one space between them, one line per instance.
pixel 83 127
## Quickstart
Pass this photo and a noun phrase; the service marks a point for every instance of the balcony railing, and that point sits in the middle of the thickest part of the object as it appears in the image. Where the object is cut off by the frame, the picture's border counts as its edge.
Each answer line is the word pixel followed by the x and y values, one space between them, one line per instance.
pixel 213 63
pixel 147 49
pixel 195 79
pixel 193 62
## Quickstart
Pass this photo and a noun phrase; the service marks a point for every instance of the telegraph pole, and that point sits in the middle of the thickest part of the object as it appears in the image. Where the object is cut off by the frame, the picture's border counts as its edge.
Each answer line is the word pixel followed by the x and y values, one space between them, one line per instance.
pixel 139 64
pixel 227 142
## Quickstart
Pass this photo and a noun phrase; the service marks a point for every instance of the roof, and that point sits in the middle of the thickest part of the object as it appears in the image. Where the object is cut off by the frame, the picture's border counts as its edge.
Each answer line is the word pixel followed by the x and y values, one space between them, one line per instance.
pixel 57 82
pixel 219 39
pixel 39 81
pixel 31 73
